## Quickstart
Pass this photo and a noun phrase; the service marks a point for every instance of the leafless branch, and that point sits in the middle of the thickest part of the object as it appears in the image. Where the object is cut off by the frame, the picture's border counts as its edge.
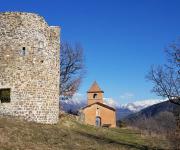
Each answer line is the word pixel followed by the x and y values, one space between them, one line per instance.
pixel 72 69
pixel 166 78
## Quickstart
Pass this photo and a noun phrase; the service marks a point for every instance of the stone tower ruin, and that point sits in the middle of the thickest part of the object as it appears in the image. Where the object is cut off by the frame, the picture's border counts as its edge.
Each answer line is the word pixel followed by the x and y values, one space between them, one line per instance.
pixel 29 67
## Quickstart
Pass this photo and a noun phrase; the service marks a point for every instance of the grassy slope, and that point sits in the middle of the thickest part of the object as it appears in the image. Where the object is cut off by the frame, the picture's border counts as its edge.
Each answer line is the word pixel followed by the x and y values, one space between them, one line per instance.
pixel 69 134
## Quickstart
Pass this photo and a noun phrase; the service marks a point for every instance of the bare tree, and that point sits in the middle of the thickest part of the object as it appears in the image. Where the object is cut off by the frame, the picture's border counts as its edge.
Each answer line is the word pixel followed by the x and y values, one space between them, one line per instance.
pixel 72 69
pixel 173 56
pixel 166 78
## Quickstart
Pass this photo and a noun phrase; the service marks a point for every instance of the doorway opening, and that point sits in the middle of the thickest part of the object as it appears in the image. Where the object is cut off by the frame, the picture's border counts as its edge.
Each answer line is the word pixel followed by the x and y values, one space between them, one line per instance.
pixel 98 121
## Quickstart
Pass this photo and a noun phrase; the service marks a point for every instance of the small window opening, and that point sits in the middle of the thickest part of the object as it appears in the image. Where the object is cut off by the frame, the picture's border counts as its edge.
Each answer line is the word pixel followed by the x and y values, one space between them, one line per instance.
pixel 41 44
pixel 24 51
pixel 95 96
pixel 5 95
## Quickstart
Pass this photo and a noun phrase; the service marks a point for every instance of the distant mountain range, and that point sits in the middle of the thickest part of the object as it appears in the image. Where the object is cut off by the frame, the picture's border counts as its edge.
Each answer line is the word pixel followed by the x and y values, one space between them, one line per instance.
pixel 72 105
pixel 158 118
pixel 121 110
pixel 151 111
pixel 139 105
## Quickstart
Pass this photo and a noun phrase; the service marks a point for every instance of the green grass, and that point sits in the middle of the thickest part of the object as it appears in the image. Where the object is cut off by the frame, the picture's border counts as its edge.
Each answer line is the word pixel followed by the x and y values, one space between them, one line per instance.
pixel 16 134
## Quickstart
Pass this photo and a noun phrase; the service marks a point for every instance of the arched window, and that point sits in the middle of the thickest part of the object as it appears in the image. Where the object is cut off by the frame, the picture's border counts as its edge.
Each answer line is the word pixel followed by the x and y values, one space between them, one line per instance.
pixel 95 96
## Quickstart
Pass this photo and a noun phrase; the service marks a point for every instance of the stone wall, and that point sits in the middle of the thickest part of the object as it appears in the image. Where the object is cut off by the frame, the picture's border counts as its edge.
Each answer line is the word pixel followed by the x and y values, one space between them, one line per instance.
pixel 29 66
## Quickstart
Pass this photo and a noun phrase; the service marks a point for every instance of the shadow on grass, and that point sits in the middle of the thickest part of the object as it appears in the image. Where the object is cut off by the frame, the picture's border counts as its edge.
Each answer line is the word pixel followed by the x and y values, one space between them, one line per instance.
pixel 127 132
pixel 104 140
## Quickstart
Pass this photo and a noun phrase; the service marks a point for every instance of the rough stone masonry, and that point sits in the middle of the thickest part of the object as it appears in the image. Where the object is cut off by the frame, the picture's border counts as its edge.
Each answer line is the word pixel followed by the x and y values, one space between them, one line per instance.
pixel 29 67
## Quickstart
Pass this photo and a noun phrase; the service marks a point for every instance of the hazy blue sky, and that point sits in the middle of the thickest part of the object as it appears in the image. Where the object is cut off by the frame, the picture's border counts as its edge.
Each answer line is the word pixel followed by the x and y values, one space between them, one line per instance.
pixel 121 38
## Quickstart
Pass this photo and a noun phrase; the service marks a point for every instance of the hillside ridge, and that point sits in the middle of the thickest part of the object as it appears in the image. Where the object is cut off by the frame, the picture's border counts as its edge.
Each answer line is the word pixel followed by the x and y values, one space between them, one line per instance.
pixel 70 134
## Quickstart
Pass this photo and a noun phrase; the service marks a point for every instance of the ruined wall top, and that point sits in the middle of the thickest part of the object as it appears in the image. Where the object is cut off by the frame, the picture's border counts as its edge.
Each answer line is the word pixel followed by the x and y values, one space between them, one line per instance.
pixel 28 29
pixel 23 16
pixel 13 21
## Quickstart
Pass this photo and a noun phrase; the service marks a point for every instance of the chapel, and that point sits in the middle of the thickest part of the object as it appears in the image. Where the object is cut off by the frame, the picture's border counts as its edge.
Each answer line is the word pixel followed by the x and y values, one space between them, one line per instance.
pixel 96 112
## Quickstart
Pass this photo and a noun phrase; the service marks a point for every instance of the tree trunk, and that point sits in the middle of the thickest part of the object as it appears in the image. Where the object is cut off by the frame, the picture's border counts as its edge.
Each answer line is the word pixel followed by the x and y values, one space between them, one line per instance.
pixel 177 117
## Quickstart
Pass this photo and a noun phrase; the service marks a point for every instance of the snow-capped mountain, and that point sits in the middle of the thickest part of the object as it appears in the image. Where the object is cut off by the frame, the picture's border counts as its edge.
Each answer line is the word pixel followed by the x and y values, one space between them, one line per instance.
pixel 152 112
pixel 73 106
pixel 124 110
pixel 139 105
pixel 79 101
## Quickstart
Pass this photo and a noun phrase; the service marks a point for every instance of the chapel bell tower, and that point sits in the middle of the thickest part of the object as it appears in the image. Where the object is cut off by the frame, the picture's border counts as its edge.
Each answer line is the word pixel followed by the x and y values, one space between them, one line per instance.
pixel 95 94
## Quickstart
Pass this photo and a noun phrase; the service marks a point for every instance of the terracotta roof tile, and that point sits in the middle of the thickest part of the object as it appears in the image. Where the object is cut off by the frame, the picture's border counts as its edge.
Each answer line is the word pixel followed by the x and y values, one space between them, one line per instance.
pixel 101 104
pixel 94 88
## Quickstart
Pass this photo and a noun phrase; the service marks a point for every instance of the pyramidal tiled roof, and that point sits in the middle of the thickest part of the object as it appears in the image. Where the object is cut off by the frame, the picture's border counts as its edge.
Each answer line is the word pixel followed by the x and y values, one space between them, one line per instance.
pixel 95 88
